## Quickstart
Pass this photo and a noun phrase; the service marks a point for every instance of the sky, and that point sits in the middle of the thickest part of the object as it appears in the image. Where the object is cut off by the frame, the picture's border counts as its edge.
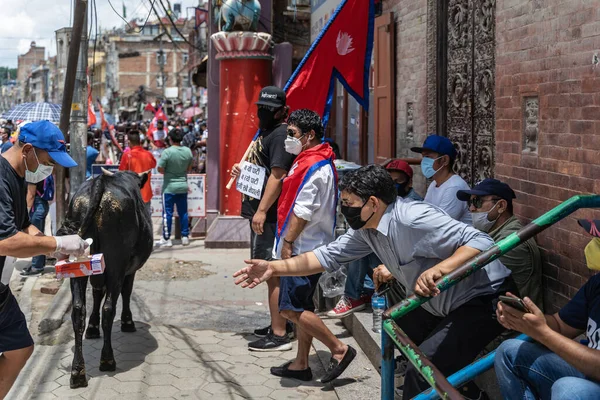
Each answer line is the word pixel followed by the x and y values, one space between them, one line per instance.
pixel 37 20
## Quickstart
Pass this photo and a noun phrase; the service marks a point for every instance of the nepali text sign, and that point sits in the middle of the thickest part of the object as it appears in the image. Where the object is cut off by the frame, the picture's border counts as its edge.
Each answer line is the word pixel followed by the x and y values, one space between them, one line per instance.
pixel 196 195
pixel 251 180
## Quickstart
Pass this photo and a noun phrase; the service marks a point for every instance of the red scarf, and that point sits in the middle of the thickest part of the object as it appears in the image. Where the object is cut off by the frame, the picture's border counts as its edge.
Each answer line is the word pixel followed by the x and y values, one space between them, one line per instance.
pixel 304 166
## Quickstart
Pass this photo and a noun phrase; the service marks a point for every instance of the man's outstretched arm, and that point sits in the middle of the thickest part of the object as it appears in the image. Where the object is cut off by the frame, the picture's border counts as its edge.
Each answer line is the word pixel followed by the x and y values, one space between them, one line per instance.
pixel 259 271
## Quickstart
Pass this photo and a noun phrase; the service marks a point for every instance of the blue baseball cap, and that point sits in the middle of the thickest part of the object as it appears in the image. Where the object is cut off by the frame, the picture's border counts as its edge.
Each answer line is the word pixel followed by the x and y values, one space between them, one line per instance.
pixel 439 144
pixel 44 135
pixel 488 187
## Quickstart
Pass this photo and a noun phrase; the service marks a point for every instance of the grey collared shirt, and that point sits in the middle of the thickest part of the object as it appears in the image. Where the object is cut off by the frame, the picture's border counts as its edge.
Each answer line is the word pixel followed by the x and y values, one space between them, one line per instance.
pixel 412 237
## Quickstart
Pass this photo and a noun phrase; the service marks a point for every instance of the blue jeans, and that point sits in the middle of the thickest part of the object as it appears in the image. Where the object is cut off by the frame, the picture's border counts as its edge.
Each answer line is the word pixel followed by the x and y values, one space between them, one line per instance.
pixel 357 271
pixel 170 201
pixel 531 371
pixel 38 219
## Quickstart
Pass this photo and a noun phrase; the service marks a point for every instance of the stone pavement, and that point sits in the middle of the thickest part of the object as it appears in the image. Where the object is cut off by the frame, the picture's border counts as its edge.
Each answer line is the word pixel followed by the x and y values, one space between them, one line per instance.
pixel 191 342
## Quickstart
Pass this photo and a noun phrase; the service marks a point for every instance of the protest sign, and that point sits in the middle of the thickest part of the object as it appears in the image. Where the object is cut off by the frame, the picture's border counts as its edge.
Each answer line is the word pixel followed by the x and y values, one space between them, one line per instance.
pixel 251 180
pixel 196 195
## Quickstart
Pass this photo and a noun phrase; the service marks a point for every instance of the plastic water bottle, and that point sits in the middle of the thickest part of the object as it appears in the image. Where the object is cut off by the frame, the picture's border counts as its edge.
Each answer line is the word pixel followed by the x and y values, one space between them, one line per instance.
pixel 378 305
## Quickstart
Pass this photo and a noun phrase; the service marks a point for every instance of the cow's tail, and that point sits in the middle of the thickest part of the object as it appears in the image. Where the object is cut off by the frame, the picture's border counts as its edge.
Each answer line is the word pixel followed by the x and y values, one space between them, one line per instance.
pixel 82 226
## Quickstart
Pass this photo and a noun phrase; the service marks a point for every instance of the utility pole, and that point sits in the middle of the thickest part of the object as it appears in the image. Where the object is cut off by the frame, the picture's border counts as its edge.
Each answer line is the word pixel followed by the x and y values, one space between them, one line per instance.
pixel 79 21
pixel 162 67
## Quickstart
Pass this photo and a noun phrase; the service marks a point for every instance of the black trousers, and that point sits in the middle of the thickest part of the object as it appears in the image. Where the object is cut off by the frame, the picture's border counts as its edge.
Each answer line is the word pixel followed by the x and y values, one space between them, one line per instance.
pixel 261 246
pixel 450 342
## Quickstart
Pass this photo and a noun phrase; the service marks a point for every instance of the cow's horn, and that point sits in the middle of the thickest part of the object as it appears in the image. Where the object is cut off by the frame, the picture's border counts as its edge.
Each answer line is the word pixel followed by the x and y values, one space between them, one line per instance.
pixel 107 172
pixel 140 174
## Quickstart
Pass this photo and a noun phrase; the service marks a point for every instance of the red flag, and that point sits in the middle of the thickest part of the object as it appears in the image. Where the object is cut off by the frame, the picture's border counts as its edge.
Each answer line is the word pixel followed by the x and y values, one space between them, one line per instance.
pixel 201 15
pixel 91 114
pixel 149 107
pixel 343 51
pixel 104 124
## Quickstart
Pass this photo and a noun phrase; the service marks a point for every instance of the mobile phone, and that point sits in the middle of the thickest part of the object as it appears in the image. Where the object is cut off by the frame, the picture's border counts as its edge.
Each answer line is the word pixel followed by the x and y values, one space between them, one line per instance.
pixel 515 302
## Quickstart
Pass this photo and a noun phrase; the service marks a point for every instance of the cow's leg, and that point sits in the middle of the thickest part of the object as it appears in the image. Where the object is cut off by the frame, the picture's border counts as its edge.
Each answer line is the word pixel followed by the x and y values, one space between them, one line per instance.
pixel 78 286
pixel 107 358
pixel 127 324
pixel 93 329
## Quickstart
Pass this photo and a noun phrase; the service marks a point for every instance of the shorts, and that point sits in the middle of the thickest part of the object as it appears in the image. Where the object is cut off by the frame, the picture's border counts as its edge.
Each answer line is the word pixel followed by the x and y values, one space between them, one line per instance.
pixel 296 292
pixel 14 334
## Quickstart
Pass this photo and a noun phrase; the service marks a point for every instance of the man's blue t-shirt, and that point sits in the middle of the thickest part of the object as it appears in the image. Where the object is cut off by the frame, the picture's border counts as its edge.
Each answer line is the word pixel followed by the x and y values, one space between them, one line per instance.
pixel 90 154
pixel 583 311
pixel 5 146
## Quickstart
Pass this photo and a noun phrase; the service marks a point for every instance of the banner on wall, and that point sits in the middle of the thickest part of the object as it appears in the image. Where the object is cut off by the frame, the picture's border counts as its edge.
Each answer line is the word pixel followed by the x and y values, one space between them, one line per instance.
pixel 196 195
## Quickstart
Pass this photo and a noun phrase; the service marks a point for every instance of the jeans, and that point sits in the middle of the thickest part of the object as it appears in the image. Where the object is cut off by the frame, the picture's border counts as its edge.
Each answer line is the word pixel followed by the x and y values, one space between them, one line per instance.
pixel 38 219
pixel 531 371
pixel 170 201
pixel 356 272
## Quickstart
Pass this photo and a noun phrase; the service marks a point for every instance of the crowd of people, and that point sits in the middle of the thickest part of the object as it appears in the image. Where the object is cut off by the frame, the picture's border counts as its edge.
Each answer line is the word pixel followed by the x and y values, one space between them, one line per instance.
pixel 407 242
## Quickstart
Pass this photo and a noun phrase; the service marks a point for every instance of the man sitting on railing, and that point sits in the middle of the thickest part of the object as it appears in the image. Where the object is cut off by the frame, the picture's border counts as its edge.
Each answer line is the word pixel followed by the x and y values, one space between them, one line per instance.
pixel 557 367
pixel 418 243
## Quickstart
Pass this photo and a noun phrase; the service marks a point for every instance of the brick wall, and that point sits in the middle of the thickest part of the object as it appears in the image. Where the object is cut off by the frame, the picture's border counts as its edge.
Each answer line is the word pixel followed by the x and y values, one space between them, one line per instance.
pixel 411 75
pixel 545 49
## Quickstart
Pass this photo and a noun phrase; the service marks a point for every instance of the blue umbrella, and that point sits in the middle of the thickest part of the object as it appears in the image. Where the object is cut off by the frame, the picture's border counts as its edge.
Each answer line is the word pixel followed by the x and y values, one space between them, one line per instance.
pixel 34 112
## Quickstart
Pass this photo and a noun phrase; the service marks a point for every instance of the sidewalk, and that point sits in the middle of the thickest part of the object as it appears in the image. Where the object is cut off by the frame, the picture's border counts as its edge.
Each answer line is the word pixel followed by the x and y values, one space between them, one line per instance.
pixel 193 329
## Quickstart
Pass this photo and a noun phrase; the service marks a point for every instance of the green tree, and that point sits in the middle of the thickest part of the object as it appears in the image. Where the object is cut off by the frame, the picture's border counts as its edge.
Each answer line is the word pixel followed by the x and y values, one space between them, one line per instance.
pixel 7 74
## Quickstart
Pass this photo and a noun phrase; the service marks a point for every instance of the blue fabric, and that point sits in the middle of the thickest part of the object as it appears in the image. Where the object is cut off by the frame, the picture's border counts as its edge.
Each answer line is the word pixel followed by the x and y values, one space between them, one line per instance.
pixel 45 135
pixel 356 273
pixel 90 157
pixel 583 311
pixel 531 371
pixel 170 201
pixel 5 146
pixel 14 334
pixel 38 219
pixel 296 292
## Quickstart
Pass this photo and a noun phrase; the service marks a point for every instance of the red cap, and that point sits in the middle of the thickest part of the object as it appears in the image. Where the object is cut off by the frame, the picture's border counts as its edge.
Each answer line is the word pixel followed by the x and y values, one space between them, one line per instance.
pixel 400 165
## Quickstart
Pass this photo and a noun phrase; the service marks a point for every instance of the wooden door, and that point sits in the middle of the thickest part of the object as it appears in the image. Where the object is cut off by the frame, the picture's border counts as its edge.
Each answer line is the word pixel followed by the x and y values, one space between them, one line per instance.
pixel 384 88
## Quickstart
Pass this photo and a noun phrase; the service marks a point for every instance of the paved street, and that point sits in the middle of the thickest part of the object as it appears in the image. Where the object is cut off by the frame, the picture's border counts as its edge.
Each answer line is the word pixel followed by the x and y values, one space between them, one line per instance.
pixel 193 330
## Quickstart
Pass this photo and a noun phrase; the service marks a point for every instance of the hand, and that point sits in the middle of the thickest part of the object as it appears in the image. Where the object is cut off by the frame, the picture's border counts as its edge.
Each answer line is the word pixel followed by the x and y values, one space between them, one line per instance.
pixel 381 275
pixel 255 273
pixel 258 222
pixel 425 285
pixel 532 323
pixel 70 245
pixel 235 170
pixel 286 250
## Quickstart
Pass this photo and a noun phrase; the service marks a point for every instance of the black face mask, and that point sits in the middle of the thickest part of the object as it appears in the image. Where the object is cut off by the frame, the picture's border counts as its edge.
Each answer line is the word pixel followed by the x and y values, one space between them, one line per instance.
pixel 352 215
pixel 402 189
pixel 266 118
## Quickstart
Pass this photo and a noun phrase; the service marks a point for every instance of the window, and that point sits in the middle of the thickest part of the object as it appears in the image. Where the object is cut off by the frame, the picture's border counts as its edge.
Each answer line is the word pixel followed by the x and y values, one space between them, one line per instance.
pixel 161 57
pixel 186 81
pixel 186 58
pixel 159 81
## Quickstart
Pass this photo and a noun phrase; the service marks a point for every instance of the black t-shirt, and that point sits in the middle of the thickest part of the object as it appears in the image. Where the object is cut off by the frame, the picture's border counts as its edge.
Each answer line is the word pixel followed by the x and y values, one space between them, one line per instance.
pixel 269 152
pixel 13 204
pixel 583 311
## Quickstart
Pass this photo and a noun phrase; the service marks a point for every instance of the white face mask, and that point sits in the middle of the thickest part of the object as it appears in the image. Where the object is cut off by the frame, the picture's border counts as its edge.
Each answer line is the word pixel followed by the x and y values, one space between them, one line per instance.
pixel 481 221
pixel 294 145
pixel 41 173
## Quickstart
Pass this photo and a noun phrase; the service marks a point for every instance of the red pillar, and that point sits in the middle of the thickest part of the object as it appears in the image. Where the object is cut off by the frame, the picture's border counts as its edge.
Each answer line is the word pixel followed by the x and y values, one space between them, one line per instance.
pixel 245 68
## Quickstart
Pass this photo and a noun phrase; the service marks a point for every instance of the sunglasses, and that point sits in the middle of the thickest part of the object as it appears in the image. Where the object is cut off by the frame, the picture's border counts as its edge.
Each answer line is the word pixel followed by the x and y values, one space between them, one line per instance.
pixel 477 201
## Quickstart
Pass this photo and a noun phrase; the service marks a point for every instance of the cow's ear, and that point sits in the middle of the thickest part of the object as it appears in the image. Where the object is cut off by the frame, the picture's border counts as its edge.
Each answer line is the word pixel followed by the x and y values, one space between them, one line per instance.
pixel 143 177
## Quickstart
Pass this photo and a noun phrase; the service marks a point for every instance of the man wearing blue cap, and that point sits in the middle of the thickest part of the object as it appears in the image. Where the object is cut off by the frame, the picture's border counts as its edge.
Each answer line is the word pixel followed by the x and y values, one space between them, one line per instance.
pixel 41 145
pixel 438 159
pixel 490 203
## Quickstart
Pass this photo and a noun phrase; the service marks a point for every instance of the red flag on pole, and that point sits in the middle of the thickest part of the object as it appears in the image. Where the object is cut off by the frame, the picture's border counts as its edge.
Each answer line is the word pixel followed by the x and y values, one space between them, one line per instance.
pixel 103 122
pixel 342 50
pixel 91 113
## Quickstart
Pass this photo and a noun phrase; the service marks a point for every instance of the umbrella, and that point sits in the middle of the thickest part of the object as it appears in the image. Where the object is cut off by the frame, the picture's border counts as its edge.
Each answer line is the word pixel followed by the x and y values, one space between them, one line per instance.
pixel 34 112
pixel 192 112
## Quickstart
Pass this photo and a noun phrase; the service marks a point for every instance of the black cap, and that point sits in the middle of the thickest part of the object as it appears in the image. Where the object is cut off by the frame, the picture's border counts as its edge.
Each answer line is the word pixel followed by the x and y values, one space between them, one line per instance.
pixel 592 226
pixel 488 187
pixel 271 96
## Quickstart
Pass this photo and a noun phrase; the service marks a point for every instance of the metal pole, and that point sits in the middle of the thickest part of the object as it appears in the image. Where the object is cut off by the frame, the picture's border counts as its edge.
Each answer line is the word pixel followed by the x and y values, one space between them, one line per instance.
pixel 387 366
pixel 67 100
pixel 162 67
pixel 79 115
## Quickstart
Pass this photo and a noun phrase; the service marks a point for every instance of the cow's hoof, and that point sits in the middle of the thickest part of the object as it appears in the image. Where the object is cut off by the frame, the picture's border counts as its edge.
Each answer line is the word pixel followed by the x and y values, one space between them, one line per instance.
pixel 78 381
pixel 109 365
pixel 92 332
pixel 128 326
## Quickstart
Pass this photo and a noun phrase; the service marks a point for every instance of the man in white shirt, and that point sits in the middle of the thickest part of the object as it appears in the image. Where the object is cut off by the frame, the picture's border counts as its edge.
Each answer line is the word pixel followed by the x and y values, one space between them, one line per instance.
pixel 438 159
pixel 305 221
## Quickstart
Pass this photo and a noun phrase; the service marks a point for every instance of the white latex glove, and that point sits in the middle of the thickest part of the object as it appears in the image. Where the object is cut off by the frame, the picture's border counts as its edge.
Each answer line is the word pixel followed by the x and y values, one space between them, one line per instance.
pixel 71 245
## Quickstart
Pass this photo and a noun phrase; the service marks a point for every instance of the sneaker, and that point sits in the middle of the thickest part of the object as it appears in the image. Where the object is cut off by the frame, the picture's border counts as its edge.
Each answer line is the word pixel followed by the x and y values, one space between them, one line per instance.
pixel 164 243
pixel 30 271
pixel 347 306
pixel 289 331
pixel 271 343
pixel 185 241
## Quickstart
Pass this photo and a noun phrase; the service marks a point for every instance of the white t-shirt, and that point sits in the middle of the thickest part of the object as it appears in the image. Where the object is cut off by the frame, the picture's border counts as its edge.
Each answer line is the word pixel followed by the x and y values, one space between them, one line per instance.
pixel 159 135
pixel 445 198
pixel 316 203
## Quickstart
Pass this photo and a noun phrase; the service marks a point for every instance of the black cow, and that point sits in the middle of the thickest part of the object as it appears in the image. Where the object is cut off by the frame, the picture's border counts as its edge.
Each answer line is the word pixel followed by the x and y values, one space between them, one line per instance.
pixel 110 210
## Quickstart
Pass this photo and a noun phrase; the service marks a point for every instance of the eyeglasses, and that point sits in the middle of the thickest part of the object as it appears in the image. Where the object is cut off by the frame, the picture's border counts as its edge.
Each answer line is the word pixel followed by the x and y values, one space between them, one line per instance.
pixel 477 201
pixel 292 133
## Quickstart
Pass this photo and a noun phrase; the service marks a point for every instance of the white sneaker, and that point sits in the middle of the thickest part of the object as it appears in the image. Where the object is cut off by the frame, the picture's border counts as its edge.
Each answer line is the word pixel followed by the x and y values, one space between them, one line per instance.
pixel 164 243
pixel 185 241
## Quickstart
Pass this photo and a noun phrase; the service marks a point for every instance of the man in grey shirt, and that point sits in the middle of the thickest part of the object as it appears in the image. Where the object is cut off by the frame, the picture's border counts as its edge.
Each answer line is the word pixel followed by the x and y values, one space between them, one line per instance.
pixel 418 243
